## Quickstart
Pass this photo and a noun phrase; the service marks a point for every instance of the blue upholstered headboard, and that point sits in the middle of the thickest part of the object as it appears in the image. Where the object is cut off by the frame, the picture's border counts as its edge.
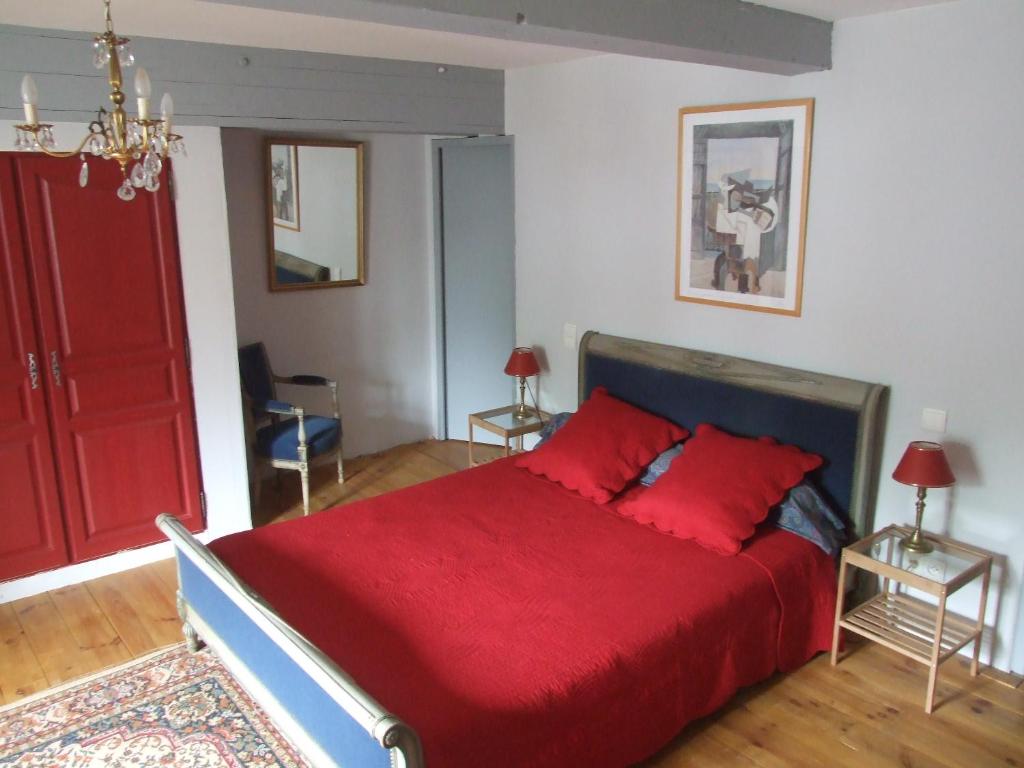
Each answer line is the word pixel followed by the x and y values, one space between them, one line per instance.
pixel 838 419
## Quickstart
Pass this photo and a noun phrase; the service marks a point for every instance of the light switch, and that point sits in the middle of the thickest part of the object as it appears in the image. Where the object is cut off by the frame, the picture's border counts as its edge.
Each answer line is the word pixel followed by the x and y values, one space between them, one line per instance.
pixel 933 420
pixel 569 335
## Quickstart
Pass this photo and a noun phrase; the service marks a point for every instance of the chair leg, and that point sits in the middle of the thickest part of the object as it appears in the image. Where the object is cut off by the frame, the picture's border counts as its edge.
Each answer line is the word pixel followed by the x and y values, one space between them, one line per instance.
pixel 304 474
pixel 257 491
pixel 341 470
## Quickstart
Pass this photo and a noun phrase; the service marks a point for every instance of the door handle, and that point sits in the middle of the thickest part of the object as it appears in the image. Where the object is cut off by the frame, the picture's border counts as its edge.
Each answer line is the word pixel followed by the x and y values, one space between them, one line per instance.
pixel 55 368
pixel 33 370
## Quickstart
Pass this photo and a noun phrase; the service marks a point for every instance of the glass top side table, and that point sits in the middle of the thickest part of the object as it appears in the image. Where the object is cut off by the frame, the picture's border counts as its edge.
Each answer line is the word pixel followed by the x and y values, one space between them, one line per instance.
pixel 948 562
pixel 909 625
pixel 502 422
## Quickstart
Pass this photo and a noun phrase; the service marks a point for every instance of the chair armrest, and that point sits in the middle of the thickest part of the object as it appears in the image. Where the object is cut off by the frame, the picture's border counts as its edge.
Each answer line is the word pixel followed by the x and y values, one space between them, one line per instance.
pixel 305 380
pixel 278 407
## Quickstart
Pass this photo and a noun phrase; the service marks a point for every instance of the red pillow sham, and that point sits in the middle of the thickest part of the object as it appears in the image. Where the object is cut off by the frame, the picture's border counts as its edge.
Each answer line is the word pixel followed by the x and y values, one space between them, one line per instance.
pixel 606 444
pixel 720 488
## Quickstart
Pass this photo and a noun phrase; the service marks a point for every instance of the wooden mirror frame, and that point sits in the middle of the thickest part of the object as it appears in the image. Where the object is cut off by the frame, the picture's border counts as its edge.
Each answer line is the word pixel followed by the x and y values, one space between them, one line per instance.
pixel 272 282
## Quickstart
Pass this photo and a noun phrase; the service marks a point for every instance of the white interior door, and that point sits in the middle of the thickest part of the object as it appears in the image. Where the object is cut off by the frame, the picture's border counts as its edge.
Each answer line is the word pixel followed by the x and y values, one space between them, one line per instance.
pixel 475 209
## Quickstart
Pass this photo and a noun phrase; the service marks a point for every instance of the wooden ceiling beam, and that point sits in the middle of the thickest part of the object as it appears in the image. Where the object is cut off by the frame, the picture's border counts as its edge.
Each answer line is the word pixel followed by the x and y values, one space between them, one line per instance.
pixel 730 33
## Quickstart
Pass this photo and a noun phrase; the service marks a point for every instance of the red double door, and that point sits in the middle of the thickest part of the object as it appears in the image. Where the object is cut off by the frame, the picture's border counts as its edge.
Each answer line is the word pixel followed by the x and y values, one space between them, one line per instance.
pixel 97 434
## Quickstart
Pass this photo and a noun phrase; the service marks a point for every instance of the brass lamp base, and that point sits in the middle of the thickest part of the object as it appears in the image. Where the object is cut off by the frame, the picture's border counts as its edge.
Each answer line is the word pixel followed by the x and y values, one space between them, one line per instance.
pixel 521 413
pixel 916 542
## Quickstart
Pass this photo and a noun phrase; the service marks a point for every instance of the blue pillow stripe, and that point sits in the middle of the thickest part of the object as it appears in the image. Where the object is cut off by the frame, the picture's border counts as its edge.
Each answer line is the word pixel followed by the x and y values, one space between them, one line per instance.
pixel 806 513
pixel 660 465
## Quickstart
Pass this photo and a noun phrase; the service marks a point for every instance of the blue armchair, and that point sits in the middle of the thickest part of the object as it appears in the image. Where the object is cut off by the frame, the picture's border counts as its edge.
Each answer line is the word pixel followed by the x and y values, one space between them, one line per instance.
pixel 279 433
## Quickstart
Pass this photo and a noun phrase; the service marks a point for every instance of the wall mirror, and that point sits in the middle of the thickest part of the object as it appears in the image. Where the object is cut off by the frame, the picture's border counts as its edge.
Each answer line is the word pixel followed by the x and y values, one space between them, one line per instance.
pixel 315 213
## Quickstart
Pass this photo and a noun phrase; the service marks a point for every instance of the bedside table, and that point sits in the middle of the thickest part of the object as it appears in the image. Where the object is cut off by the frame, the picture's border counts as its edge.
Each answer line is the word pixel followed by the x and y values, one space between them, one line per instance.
pixel 500 421
pixel 907 624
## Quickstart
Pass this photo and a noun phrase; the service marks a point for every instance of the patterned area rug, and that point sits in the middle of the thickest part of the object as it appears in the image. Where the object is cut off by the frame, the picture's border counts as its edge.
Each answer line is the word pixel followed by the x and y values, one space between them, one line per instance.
pixel 172 709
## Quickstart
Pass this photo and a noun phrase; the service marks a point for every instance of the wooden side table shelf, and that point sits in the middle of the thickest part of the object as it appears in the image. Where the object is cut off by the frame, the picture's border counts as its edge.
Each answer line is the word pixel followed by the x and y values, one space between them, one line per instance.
pixel 909 625
pixel 501 422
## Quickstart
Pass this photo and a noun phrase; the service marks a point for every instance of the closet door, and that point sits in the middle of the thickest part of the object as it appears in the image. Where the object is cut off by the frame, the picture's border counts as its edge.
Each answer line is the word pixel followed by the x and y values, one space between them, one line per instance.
pixel 31 530
pixel 107 285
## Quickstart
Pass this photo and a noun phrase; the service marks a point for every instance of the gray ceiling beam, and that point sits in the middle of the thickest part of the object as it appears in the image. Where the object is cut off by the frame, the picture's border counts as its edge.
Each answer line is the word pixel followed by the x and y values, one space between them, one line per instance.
pixel 729 33
pixel 239 86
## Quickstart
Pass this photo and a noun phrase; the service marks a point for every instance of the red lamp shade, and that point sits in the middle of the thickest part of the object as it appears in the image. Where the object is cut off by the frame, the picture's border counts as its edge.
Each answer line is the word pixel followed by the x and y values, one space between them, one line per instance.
pixel 522 362
pixel 924 465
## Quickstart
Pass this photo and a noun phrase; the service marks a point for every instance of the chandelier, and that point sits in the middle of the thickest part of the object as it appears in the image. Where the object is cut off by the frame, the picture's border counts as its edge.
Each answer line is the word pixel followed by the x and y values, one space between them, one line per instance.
pixel 113 135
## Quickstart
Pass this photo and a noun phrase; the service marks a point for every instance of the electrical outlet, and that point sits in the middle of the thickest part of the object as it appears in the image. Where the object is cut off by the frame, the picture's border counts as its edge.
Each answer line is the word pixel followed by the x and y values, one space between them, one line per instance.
pixel 569 335
pixel 933 420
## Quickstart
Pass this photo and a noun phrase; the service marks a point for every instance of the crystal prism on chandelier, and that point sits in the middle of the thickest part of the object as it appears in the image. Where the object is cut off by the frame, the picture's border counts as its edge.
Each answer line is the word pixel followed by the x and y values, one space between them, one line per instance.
pixel 139 142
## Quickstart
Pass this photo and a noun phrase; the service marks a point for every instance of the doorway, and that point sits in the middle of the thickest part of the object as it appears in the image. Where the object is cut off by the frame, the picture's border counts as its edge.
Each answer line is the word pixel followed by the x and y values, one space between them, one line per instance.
pixel 474 216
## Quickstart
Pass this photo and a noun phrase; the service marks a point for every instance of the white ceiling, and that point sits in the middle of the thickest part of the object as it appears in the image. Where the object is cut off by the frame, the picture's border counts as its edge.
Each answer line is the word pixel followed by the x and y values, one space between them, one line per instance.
pixel 834 10
pixel 235 25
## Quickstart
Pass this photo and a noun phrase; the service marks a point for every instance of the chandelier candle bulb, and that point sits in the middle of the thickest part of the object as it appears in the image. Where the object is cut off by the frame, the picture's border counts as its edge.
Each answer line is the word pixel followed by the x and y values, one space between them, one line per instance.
pixel 167 111
pixel 143 89
pixel 30 98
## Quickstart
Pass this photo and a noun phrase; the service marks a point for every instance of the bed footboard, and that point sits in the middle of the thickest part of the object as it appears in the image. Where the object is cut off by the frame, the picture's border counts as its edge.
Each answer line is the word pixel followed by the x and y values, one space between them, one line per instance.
pixel 326 714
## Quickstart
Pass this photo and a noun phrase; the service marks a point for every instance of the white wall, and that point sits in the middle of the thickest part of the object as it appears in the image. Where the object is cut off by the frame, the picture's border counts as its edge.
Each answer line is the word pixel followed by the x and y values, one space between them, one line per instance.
pixel 914 253
pixel 376 339
pixel 209 310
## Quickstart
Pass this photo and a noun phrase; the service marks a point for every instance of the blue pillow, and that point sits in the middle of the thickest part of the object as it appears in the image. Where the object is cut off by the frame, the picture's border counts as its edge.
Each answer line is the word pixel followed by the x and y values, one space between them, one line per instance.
pixel 659 466
pixel 553 425
pixel 806 513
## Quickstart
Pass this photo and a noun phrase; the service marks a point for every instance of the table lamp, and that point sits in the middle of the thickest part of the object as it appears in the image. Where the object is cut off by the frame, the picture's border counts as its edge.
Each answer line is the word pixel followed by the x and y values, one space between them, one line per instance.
pixel 923 465
pixel 522 363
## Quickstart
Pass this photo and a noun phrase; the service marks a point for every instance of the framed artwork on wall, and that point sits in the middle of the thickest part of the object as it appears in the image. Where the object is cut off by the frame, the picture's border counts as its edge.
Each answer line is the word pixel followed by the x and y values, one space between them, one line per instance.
pixel 742 204
pixel 284 186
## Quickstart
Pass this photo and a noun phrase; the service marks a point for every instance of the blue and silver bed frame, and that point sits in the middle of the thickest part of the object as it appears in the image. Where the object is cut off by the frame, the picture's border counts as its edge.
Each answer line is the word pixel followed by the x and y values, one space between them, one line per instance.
pixel 335 722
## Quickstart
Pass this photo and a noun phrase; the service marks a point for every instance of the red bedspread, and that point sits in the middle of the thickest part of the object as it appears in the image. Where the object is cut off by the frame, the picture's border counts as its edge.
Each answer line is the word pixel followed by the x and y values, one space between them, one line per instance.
pixel 513 623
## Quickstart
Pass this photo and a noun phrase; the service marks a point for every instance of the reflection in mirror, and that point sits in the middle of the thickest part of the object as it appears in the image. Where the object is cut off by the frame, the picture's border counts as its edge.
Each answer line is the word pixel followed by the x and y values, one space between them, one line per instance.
pixel 315 212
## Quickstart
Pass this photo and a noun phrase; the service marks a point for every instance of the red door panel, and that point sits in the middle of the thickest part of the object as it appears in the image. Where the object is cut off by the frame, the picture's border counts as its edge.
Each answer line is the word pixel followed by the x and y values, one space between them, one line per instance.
pixel 107 454
pixel 107 280
pixel 98 391
pixel 31 529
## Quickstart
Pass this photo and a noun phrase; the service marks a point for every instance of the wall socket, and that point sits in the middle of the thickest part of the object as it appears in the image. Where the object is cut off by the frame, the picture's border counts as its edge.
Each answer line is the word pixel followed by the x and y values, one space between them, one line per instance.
pixel 569 335
pixel 933 420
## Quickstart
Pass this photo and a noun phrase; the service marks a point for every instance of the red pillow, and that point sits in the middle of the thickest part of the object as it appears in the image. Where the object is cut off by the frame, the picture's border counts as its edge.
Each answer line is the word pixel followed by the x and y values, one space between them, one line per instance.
pixel 606 444
pixel 720 488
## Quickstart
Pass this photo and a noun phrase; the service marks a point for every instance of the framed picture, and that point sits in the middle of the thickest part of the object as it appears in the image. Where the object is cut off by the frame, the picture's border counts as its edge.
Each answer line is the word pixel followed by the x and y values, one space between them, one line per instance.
pixel 742 205
pixel 284 185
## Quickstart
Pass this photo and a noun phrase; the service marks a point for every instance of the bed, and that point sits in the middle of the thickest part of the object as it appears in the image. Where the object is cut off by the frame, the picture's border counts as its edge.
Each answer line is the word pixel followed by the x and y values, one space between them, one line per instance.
pixel 494 617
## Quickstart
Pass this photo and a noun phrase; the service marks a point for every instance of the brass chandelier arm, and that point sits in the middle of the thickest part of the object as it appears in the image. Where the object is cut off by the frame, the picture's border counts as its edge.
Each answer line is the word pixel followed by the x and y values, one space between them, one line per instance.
pixel 35 129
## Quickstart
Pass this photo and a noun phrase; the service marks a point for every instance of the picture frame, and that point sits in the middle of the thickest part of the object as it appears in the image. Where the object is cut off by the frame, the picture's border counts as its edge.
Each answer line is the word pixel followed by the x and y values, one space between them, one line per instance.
pixel 741 228
pixel 284 186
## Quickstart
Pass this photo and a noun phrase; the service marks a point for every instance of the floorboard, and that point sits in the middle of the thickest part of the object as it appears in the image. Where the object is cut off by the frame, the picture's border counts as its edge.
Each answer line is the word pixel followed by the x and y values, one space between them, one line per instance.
pixel 20 672
pixel 89 626
pixel 867 711
pixel 167 571
pixel 365 476
pixel 140 605
pixel 55 648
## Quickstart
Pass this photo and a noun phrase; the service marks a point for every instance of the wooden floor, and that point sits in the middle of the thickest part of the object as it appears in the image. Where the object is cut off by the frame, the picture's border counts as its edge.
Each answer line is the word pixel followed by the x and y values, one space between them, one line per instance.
pixel 865 712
